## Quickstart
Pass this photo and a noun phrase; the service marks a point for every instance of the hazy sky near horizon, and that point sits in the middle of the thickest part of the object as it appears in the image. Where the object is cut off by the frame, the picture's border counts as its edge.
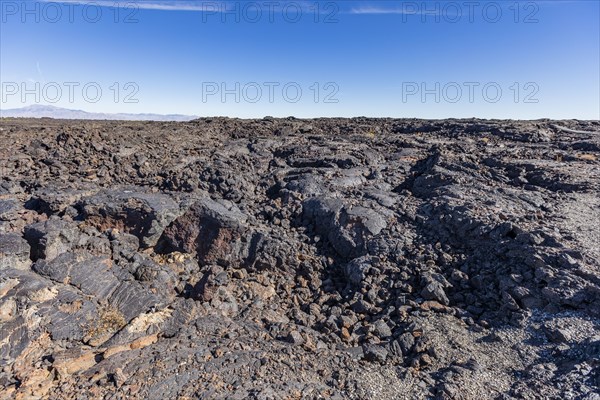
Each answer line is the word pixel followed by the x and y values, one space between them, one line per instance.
pixel 308 58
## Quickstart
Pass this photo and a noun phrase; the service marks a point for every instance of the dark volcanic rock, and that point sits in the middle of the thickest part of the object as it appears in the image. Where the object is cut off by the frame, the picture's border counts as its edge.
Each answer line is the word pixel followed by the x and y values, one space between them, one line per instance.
pixel 211 230
pixel 51 238
pixel 145 215
pixel 283 258
pixel 14 252
pixel 9 210
pixel 357 269
pixel 347 228
pixel 93 276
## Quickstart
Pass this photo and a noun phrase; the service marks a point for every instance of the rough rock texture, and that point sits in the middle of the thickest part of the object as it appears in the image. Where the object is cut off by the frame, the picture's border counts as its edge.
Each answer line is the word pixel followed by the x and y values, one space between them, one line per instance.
pixel 286 259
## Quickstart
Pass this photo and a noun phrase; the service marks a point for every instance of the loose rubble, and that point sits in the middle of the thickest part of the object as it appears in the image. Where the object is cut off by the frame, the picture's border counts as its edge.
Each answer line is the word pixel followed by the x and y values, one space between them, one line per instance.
pixel 286 259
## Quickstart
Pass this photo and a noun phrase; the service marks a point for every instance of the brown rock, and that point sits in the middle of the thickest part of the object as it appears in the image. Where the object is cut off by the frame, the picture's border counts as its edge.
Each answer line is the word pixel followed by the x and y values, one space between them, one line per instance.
pixel 432 305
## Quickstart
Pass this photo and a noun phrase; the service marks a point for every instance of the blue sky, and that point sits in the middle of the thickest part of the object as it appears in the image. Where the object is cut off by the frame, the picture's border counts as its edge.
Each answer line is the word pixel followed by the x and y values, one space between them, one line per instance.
pixel 307 58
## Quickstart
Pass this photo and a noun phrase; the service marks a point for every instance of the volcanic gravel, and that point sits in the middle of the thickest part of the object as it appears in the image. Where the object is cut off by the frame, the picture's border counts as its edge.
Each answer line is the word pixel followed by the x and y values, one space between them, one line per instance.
pixel 300 259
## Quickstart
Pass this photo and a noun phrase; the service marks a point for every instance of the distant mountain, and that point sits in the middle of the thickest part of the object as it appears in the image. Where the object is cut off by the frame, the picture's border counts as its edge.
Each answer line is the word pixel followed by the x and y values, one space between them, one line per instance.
pixel 44 111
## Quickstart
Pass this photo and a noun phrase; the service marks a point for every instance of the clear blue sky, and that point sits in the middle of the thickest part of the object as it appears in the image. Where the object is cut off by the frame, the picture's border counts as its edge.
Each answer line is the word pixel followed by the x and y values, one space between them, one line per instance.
pixel 370 58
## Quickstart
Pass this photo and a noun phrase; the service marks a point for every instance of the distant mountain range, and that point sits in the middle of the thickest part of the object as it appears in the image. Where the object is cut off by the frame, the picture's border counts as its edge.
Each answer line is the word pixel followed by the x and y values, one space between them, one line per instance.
pixel 44 111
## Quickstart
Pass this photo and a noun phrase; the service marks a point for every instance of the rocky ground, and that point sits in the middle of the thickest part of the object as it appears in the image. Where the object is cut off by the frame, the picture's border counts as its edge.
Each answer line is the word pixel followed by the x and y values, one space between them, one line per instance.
pixel 287 259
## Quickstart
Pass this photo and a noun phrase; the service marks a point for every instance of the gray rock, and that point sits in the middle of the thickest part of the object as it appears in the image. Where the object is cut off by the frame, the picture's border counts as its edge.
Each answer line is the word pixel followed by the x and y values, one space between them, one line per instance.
pixel 14 339
pixel 144 215
pixel 375 353
pixel 558 335
pixel 396 351
pixel 357 269
pixel 385 199
pixel 434 288
pixel 406 342
pixel 125 244
pixel 14 252
pixel 295 337
pixel 51 238
pixel 55 200
pixel 370 215
pixel 69 317
pixel 264 252
pixel 209 229
pixel 9 210
pixel 382 329
pixel 368 219
pixel 435 291
pixel 92 275
pixel 306 184
pixel 357 353
pixel 132 299
pixel 348 230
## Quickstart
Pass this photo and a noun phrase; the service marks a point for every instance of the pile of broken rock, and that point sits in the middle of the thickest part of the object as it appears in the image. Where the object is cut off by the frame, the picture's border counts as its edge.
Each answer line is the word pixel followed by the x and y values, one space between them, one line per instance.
pixel 284 258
